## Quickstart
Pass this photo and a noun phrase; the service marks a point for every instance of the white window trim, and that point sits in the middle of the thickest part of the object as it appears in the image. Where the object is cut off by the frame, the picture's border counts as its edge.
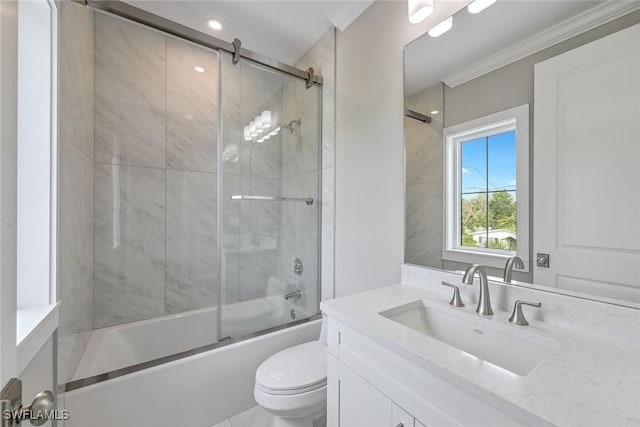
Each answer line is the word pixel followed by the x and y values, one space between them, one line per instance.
pixel 514 118
pixel 36 323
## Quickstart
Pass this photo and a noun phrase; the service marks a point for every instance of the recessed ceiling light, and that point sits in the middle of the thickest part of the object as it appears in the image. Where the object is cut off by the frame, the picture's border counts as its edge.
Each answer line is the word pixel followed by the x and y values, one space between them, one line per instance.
pixel 442 27
pixel 199 69
pixel 214 24
pixel 435 112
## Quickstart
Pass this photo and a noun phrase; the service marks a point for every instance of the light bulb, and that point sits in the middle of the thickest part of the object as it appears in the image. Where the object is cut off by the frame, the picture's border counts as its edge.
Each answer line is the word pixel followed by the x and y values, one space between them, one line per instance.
pixel 479 5
pixel 442 27
pixel 258 122
pixel 266 119
pixel 247 133
pixel 214 24
pixel 419 10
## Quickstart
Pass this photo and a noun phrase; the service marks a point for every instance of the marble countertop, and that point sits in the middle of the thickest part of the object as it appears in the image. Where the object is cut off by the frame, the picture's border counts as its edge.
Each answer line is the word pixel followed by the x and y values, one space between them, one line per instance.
pixel 585 380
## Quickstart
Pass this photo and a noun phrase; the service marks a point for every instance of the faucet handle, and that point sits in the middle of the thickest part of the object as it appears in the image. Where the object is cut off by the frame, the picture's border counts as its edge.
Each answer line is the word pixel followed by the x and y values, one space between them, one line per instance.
pixel 456 301
pixel 517 317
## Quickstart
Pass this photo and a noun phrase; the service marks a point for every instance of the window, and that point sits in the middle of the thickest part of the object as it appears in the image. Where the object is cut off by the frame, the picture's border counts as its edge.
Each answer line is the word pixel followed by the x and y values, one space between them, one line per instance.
pixel 487 189
pixel 36 174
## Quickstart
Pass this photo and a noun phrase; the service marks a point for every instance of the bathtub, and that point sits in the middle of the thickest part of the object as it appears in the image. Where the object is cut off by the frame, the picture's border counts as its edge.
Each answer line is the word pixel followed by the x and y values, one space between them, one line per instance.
pixel 117 347
pixel 199 390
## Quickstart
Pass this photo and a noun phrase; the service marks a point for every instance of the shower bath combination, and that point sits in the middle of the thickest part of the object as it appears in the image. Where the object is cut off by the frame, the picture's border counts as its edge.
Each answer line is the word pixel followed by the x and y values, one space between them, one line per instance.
pixel 208 222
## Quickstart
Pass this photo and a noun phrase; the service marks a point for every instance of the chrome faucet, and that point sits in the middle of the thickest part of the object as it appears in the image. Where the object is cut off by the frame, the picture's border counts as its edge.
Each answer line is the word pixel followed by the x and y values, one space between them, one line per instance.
pixel 484 303
pixel 508 268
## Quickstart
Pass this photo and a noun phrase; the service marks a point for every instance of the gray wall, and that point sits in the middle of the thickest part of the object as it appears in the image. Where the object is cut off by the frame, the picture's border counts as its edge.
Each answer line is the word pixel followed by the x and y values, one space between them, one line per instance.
pixel 370 144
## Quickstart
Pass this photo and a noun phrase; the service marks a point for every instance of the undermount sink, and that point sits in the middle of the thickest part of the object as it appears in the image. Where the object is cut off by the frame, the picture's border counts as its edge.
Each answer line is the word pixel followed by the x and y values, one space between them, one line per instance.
pixel 501 345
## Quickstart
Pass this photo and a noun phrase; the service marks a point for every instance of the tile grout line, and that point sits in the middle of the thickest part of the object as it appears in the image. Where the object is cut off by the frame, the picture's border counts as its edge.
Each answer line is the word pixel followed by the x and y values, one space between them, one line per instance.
pixel 166 173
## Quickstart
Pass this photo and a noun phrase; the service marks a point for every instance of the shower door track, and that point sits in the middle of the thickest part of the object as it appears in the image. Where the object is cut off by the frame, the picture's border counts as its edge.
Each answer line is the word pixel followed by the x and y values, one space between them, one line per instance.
pixel 83 382
pixel 149 19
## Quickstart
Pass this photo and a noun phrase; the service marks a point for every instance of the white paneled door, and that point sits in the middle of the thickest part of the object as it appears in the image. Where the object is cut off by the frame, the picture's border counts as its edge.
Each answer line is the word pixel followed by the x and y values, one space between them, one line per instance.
pixel 587 168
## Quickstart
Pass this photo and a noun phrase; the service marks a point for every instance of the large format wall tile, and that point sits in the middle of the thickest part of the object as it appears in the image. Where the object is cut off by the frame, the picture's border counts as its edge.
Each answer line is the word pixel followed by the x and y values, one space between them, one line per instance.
pixel 191 272
pixel 423 204
pixel 423 224
pixel 192 107
pixel 76 74
pixel 232 128
pixel 129 244
pixel 130 93
pixel 75 185
pixel 424 146
pixel 76 234
pixel 321 57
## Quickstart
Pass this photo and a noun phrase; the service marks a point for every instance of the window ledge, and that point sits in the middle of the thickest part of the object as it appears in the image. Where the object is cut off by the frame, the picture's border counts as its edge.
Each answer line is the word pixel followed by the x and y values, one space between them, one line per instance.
pixel 35 325
pixel 485 258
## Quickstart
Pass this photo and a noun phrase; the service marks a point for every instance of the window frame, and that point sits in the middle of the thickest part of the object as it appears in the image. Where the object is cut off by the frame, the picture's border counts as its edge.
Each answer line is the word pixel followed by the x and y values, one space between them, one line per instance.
pixel 517 119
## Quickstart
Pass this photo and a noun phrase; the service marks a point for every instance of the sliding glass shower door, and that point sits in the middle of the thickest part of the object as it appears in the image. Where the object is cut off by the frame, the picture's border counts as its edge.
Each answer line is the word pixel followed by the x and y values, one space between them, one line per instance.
pixel 270 203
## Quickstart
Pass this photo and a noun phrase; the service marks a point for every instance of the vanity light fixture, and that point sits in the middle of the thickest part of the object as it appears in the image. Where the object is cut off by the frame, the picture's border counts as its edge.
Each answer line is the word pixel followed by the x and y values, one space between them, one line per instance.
pixel 442 27
pixel 199 69
pixel 259 125
pixel 419 10
pixel 265 116
pixel 275 131
pixel 479 5
pixel 214 24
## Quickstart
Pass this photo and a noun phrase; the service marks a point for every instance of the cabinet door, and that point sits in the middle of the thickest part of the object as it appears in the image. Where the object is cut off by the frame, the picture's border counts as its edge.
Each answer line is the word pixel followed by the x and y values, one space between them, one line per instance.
pixel 361 404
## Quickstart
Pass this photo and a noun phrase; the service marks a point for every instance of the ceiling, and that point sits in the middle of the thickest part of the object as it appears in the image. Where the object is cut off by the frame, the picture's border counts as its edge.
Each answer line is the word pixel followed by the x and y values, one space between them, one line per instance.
pixel 474 37
pixel 281 30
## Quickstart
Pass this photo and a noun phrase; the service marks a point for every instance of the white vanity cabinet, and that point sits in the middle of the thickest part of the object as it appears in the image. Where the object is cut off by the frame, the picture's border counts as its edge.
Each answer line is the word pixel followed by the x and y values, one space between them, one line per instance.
pixel 369 385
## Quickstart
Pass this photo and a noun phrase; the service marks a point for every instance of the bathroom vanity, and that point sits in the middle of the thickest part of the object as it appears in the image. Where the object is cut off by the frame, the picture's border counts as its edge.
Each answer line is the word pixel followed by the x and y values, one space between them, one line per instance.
pixel 402 356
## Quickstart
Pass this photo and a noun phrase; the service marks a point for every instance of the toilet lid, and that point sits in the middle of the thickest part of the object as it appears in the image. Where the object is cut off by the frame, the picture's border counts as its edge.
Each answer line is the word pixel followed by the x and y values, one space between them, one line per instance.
pixel 303 366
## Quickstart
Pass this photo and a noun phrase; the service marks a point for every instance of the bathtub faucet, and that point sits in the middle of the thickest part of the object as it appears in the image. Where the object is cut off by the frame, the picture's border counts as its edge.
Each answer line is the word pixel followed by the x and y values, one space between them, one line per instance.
pixel 297 294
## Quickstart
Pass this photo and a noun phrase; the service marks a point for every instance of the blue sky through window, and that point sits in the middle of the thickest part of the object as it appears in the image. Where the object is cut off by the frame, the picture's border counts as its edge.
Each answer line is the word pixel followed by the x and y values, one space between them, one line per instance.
pixel 497 153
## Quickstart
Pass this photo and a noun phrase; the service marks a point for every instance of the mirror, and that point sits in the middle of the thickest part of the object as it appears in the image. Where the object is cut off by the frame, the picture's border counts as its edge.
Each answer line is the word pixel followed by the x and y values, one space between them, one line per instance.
pixel 522 134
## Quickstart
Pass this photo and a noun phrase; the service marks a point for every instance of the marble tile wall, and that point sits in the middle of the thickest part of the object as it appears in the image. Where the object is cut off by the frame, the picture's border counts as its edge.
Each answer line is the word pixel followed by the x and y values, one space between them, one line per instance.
pixel 251 230
pixel 423 204
pixel 75 197
pixel 129 244
pixel 130 83
pixel 321 57
pixel 156 204
pixel 155 174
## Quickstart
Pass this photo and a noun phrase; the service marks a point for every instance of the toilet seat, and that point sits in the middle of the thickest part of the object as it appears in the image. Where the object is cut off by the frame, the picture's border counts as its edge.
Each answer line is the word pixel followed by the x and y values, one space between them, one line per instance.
pixel 298 369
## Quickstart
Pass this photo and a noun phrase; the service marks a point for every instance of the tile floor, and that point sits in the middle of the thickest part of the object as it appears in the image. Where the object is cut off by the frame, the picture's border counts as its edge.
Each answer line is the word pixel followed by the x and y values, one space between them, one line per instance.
pixel 254 417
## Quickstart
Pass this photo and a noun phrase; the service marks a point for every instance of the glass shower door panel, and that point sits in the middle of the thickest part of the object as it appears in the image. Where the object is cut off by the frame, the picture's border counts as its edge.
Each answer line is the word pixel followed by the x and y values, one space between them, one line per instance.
pixel 270 158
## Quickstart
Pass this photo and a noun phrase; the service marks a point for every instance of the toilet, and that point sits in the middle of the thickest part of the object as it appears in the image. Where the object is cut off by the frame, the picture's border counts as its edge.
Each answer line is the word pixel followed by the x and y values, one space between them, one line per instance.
pixel 292 385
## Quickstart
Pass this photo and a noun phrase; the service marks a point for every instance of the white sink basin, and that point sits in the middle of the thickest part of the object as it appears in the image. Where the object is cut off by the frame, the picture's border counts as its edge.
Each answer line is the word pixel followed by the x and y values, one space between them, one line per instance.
pixel 517 351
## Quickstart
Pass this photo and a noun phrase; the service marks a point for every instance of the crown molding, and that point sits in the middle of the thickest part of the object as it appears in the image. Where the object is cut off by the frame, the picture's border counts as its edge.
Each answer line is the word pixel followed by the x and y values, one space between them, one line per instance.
pixel 565 30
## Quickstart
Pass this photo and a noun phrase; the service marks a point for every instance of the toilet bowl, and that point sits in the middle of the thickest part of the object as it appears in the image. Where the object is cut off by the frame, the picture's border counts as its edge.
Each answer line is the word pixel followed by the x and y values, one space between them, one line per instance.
pixel 292 385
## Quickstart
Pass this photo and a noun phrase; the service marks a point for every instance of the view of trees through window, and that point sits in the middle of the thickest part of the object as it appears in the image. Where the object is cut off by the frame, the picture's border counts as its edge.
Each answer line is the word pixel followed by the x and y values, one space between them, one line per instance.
pixel 488 196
